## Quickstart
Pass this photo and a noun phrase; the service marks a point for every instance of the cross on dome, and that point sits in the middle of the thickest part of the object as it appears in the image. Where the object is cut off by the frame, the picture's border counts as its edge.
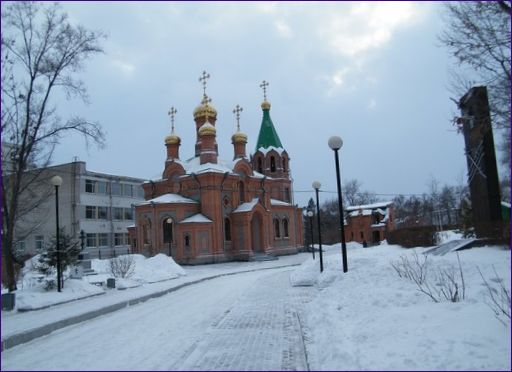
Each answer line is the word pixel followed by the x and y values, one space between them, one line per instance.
pixel 172 113
pixel 203 80
pixel 238 109
pixel 264 86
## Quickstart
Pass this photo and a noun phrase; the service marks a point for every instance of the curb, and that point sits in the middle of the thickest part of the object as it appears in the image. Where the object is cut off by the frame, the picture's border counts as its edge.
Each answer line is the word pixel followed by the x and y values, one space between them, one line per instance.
pixel 26 336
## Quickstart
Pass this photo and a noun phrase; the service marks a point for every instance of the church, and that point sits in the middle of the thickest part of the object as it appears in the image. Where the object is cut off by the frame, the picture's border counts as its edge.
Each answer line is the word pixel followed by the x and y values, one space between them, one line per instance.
pixel 206 209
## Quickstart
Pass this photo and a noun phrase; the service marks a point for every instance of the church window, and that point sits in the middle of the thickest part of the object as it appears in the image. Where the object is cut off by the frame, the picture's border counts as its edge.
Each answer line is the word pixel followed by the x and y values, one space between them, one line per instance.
pixel 285 228
pixel 241 188
pixel 287 194
pixel 145 232
pixel 260 165
pixel 187 241
pixel 272 164
pixel 167 230
pixel 227 229
pixel 277 230
pixel 284 165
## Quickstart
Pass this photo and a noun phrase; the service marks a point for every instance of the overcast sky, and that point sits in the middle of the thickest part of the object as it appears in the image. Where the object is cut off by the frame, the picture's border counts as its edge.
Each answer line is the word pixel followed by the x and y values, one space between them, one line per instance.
pixel 372 73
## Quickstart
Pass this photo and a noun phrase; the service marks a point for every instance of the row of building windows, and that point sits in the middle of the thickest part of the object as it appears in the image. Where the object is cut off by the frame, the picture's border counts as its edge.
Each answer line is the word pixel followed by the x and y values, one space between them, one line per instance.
pixel 102 239
pixel 93 212
pixel 116 188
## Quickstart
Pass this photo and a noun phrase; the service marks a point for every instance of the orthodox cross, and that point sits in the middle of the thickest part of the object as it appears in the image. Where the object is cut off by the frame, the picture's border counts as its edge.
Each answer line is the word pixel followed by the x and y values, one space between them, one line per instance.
pixel 264 86
pixel 237 112
pixel 172 113
pixel 202 79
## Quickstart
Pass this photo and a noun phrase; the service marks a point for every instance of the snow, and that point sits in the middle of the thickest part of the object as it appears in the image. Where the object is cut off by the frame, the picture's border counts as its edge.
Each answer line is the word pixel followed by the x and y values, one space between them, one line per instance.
pixel 168 198
pixel 246 207
pixel 279 202
pixel 265 150
pixel 369 206
pixel 371 319
pixel 32 295
pixel 366 319
pixel 196 218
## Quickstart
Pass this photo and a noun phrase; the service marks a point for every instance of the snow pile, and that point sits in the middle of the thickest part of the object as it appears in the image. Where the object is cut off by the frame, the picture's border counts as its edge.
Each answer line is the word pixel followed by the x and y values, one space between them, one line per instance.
pixel 37 297
pixel 371 319
pixel 31 294
pixel 156 269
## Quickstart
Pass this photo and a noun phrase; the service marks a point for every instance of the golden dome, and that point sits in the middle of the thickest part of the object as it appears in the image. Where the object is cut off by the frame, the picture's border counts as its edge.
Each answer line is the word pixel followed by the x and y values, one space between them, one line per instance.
pixel 205 109
pixel 172 139
pixel 239 137
pixel 265 105
pixel 207 130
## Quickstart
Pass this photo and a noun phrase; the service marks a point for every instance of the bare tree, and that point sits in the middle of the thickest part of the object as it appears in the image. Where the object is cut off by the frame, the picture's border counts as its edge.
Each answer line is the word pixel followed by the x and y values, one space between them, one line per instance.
pixel 477 34
pixel 41 54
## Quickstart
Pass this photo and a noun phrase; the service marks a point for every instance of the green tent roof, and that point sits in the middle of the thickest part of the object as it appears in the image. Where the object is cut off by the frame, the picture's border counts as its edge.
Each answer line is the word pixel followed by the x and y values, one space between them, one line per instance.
pixel 268 135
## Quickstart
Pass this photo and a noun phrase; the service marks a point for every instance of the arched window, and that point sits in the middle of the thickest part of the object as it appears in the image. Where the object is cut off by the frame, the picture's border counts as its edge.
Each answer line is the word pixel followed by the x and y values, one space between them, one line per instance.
pixel 285 228
pixel 287 194
pixel 284 165
pixel 187 241
pixel 241 188
pixel 260 165
pixel 272 164
pixel 277 230
pixel 227 229
pixel 167 230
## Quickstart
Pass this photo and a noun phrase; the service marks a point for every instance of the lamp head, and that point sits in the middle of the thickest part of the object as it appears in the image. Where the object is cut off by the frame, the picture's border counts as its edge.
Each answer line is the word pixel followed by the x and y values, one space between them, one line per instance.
pixel 335 143
pixel 169 220
pixel 310 213
pixel 56 180
pixel 316 185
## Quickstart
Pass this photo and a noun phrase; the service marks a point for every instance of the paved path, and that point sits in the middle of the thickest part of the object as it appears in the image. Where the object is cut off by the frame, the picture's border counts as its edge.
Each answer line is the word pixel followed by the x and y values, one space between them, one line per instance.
pixel 262 331
pixel 242 322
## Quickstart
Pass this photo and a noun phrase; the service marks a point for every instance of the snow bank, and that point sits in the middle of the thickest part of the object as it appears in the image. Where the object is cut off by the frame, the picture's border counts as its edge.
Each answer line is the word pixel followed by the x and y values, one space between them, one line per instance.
pixel 37 297
pixel 370 319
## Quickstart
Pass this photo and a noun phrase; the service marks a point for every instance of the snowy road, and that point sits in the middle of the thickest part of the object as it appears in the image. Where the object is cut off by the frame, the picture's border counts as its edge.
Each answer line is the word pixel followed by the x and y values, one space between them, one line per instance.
pixel 241 322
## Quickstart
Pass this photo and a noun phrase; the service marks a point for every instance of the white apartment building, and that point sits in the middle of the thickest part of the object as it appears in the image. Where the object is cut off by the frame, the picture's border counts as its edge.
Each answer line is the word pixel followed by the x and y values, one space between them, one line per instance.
pixel 101 205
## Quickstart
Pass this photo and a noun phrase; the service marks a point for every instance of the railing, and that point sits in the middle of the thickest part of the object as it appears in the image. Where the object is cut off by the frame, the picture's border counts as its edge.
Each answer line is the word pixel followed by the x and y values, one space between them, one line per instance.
pixel 107 252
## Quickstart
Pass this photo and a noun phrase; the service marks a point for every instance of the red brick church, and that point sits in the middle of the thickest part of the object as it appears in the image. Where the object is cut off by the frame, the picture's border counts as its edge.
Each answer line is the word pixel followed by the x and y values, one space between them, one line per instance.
pixel 205 209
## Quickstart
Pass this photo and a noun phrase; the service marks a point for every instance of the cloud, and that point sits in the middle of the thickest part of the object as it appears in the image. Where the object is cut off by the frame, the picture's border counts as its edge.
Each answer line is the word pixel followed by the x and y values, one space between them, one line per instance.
pixel 366 26
pixel 283 29
pixel 125 68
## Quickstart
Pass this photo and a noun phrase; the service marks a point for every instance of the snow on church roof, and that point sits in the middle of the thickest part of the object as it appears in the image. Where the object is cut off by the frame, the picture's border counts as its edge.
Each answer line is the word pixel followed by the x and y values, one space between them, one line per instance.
pixel 246 207
pixel 168 198
pixel 265 150
pixel 196 218
pixel 369 206
pixel 279 202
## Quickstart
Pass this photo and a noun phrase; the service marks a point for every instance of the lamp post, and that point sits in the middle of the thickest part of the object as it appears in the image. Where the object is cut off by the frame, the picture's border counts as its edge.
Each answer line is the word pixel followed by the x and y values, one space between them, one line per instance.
pixel 310 215
pixel 82 240
pixel 316 186
pixel 169 222
pixel 335 144
pixel 56 182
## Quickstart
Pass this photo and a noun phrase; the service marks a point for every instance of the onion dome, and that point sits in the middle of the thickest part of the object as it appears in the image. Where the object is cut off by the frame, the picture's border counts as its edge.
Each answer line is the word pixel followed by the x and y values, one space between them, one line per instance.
pixel 172 139
pixel 239 137
pixel 205 109
pixel 207 130
pixel 265 105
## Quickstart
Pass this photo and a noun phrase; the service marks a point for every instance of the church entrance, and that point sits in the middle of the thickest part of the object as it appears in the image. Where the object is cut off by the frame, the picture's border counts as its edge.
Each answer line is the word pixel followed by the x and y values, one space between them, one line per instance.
pixel 256 233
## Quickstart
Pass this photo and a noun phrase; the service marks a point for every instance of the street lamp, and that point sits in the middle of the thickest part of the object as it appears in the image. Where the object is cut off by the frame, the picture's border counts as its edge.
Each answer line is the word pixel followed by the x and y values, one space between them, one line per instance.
pixel 310 214
pixel 169 222
pixel 82 240
pixel 316 186
pixel 56 182
pixel 335 144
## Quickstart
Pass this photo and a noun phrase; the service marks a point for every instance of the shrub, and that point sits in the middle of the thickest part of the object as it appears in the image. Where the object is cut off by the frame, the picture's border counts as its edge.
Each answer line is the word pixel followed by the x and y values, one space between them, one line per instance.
pixel 122 266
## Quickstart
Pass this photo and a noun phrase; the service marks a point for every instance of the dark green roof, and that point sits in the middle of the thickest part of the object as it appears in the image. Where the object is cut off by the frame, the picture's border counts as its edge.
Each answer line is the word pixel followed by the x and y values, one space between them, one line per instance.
pixel 268 135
